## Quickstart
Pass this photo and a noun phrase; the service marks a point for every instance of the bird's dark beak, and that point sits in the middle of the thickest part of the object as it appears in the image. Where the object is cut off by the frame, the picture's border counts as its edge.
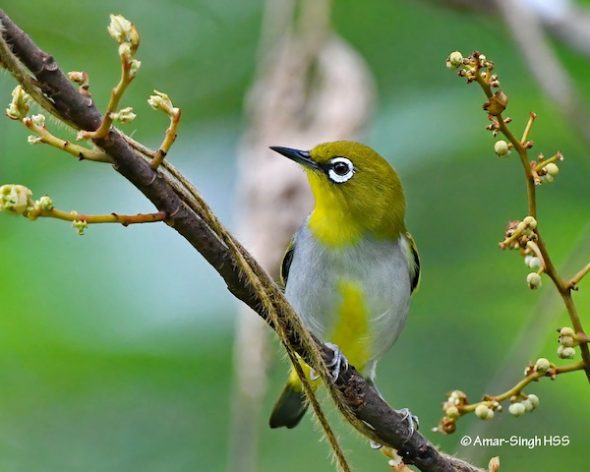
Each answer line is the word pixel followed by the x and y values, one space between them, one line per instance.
pixel 301 157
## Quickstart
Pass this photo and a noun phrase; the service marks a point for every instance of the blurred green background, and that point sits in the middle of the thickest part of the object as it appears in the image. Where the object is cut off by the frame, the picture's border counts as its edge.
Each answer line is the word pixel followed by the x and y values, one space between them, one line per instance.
pixel 115 347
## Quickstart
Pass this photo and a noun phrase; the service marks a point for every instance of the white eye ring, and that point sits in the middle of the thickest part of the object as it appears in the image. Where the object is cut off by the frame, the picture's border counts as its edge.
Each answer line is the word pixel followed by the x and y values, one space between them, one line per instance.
pixel 340 178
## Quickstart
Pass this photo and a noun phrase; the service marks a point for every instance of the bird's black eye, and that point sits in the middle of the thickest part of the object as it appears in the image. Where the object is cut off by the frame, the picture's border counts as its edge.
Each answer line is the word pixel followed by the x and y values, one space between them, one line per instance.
pixel 341 168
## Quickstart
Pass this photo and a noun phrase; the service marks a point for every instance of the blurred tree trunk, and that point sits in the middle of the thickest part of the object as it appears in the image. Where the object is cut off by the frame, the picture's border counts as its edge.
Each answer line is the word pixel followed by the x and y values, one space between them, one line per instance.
pixel 310 87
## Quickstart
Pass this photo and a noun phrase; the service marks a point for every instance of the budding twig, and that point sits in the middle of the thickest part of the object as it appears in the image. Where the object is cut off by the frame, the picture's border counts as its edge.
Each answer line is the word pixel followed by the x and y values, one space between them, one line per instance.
pixel 43 135
pixel 457 404
pixel 517 389
pixel 524 236
pixel 521 147
pixel 125 33
pixel 125 220
pixel 161 101
pixel 19 200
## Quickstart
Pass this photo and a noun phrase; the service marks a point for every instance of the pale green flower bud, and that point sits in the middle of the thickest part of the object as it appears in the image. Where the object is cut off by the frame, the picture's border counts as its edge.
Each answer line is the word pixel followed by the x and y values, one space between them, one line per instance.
pixel 530 222
pixel 565 352
pixel 19 106
pixel 533 262
pixel 533 280
pixel 454 60
pixel 124 115
pixel 517 409
pixel 15 198
pixel 125 51
pixel 528 405
pixel 566 341
pixel 567 331
pixel 483 412
pixel 452 412
pixel 542 365
pixel 161 101
pixel 45 203
pixel 552 169
pixel 80 226
pixel 134 66
pixel 534 399
pixel 501 148
pixel 120 29
pixel 38 120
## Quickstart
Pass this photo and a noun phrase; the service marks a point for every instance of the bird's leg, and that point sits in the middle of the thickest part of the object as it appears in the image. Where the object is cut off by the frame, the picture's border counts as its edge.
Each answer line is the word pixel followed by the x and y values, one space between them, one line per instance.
pixel 412 420
pixel 337 362
pixel 334 365
pixel 413 424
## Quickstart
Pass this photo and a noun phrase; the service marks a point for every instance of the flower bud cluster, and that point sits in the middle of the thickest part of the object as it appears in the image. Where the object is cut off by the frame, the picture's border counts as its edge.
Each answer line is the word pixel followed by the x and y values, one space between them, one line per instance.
pixel 123 31
pixel 526 405
pixel 567 343
pixel 20 104
pixel 485 410
pixel 532 262
pixel 161 101
pixel 126 34
pixel 80 226
pixel 469 67
pixel 452 410
pixel 15 199
pixel 545 171
pixel 519 233
pixel 125 115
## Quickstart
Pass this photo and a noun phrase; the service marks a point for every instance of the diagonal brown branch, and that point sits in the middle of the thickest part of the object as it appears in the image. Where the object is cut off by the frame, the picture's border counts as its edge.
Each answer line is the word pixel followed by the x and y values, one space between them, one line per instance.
pixel 189 215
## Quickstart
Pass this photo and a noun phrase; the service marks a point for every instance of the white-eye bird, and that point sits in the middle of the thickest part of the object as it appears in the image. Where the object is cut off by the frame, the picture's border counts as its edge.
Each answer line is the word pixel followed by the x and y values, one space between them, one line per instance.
pixel 352 266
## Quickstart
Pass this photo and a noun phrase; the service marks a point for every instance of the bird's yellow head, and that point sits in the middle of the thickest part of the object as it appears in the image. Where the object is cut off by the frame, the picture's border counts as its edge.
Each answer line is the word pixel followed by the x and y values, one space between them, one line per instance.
pixel 356 191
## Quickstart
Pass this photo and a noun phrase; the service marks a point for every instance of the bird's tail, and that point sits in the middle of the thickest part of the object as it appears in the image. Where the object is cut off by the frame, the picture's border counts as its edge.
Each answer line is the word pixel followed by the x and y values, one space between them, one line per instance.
pixel 292 404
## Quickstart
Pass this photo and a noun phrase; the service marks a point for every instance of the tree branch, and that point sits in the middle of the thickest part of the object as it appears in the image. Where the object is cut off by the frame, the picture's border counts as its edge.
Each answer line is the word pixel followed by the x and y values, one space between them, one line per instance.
pixel 189 215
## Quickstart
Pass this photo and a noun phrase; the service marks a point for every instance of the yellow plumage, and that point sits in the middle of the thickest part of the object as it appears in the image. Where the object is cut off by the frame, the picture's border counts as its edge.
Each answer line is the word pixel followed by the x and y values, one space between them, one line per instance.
pixel 351 267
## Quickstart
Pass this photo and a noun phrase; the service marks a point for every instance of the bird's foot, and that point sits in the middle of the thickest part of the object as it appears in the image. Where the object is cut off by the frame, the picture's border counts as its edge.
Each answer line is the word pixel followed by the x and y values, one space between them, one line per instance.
pixel 412 421
pixel 337 363
pixel 412 424
pixel 334 365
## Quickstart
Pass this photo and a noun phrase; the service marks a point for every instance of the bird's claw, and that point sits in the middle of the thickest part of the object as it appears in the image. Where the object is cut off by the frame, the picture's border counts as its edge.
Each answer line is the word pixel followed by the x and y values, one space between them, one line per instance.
pixel 413 425
pixel 412 421
pixel 335 365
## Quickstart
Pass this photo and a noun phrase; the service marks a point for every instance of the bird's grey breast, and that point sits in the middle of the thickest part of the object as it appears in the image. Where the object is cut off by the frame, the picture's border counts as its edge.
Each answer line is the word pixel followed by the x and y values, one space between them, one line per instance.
pixel 379 268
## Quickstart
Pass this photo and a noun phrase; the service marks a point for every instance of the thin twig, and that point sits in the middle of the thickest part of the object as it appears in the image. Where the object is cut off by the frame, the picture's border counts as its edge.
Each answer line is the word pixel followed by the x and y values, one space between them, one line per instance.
pixel 519 387
pixel 46 137
pixel 125 220
pixel 169 138
pixel 579 276
pixel 522 149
